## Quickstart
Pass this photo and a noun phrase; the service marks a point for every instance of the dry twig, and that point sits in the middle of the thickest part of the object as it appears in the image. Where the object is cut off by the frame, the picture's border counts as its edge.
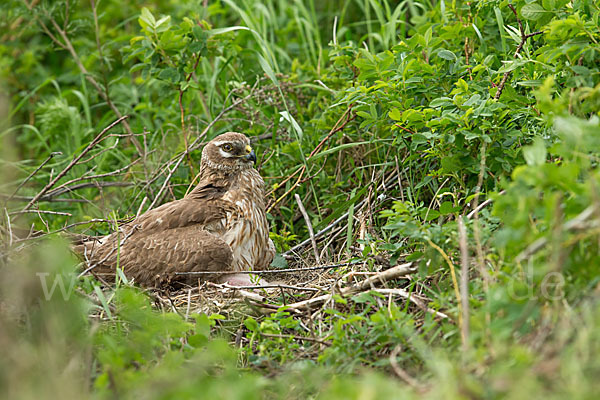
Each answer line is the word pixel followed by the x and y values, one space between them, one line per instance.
pixel 311 233
pixel 31 175
pixel 72 163
pixel 464 280
pixel 389 274
pixel 268 271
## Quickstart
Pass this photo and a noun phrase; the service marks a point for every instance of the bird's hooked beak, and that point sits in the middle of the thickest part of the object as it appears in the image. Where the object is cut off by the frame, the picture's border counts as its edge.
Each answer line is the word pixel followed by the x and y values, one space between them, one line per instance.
pixel 250 156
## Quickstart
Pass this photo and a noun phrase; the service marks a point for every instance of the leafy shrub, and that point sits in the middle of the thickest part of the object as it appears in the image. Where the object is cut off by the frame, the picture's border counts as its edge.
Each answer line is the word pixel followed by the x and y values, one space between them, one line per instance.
pixel 396 118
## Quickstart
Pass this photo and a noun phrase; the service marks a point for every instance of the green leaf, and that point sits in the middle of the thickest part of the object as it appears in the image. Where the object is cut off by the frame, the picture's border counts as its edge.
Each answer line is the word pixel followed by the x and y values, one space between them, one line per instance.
pixel 441 101
pixel 473 100
pixel 279 262
pixel 251 324
pixel 339 299
pixel 219 31
pixel 512 65
pixel 429 215
pixel 446 55
pixel 532 83
pixel 169 74
pixel 336 149
pixel 163 24
pixel 199 33
pixel 395 114
pixel 549 4
pixel 103 301
pixel 500 22
pixel 447 208
pixel 147 20
pixel 197 47
pixel 289 118
pixel 533 11
pixel 197 340
pixel 535 154
pixel 267 69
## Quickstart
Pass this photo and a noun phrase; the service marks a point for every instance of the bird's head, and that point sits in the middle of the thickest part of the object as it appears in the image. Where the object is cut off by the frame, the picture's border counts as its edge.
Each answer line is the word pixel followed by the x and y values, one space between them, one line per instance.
pixel 230 151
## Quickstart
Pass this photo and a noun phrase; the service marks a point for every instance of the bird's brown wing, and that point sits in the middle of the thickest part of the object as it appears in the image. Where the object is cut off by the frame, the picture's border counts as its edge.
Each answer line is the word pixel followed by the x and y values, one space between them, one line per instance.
pixel 179 236
pixel 204 206
pixel 154 259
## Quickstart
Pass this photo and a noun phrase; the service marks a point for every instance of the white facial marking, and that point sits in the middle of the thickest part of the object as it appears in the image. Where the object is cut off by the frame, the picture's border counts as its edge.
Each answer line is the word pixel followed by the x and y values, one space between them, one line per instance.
pixel 224 153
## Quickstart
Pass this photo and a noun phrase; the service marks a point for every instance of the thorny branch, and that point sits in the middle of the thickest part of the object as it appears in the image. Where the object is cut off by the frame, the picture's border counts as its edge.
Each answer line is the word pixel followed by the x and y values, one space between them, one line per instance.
pixel 524 38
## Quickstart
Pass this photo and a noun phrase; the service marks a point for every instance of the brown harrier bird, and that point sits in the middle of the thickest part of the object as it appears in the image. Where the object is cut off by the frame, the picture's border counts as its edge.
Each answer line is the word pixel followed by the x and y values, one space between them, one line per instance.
pixel 221 225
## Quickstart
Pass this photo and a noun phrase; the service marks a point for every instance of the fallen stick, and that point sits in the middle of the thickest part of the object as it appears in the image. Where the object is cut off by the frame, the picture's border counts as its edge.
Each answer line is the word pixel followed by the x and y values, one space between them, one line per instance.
pixel 270 286
pixel 389 274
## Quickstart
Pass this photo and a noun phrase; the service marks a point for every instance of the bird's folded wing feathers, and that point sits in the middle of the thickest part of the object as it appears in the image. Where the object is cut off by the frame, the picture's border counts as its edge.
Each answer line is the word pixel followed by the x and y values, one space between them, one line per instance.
pixel 204 207
pixel 187 249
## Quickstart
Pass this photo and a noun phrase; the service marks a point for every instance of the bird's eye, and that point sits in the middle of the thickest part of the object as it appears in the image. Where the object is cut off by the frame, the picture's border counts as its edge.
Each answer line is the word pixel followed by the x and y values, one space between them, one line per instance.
pixel 227 147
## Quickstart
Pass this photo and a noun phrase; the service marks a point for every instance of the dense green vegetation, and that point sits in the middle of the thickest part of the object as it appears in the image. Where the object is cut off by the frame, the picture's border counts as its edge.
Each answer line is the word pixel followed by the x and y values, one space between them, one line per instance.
pixel 460 136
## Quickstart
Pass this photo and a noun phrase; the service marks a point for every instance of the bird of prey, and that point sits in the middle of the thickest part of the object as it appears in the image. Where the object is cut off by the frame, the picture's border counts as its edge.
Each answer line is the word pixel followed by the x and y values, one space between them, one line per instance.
pixel 220 225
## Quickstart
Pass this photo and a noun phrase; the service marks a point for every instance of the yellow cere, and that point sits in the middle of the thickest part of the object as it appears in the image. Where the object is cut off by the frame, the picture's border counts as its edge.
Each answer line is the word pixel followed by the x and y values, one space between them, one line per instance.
pixel 248 149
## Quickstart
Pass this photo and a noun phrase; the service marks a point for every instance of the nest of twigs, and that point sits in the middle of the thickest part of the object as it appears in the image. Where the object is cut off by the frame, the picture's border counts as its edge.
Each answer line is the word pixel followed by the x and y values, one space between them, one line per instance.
pixel 304 292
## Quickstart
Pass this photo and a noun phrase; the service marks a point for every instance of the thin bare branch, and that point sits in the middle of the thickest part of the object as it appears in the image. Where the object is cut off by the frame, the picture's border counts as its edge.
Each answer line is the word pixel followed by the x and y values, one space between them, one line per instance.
pixel 464 280
pixel 311 233
pixel 63 229
pixel 524 38
pixel 268 271
pixel 41 212
pixel 72 163
pixel 67 45
pixel 31 175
